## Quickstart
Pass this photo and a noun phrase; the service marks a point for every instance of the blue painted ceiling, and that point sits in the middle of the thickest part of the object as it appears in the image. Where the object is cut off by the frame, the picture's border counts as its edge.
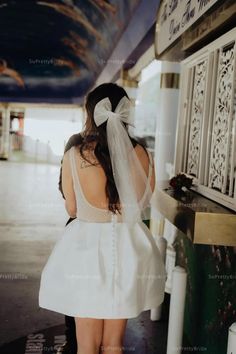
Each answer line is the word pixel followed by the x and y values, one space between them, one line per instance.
pixel 53 51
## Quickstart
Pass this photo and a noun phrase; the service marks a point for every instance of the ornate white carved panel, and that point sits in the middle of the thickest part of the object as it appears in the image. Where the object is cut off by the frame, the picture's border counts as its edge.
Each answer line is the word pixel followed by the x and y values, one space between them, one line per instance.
pixel 221 132
pixel 196 117
pixel 206 137
pixel 231 180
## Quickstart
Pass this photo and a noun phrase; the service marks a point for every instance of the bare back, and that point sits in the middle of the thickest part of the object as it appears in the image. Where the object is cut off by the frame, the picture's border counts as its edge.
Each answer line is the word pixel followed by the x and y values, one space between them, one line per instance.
pixel 84 183
pixel 93 178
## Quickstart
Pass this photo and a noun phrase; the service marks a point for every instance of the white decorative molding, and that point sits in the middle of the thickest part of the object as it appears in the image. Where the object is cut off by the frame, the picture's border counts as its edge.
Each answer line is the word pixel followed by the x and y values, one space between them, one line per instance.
pixel 143 61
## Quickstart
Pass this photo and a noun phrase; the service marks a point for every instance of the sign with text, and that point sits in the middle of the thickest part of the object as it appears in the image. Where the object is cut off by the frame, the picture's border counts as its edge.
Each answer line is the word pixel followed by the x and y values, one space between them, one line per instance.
pixel 175 17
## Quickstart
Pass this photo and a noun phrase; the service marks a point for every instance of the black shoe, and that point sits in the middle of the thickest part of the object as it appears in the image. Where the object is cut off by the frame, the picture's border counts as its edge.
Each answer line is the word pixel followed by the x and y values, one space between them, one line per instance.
pixel 66 348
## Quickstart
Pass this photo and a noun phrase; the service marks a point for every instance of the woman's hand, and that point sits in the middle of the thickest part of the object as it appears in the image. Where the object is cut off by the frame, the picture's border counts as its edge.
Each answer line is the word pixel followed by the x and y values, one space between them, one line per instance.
pixel 67 187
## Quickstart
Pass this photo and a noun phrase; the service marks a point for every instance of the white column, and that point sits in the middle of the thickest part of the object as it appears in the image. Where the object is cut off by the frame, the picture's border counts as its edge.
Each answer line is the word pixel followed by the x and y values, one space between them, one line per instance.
pixel 231 348
pixel 5 134
pixel 165 147
pixel 157 231
pixel 166 126
pixel 129 84
pixel 176 315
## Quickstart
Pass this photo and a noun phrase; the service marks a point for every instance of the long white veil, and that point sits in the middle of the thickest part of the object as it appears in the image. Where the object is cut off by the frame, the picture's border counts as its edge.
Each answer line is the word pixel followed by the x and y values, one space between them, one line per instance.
pixel 129 175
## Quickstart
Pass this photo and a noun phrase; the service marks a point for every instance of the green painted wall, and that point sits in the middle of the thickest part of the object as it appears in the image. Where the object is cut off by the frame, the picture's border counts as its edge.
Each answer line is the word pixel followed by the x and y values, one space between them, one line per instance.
pixel 210 306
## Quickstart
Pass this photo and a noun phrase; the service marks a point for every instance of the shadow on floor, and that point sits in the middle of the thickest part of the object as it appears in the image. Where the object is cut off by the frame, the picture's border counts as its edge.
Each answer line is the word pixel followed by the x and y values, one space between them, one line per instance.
pixel 143 336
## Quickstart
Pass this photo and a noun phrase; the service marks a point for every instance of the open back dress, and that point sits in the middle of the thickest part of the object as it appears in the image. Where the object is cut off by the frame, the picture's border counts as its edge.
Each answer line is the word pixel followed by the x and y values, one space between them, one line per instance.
pixel 101 267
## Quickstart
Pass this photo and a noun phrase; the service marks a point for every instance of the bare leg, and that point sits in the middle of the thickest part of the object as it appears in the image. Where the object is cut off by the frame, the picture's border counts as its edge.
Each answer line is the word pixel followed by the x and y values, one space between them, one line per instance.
pixel 88 335
pixel 113 334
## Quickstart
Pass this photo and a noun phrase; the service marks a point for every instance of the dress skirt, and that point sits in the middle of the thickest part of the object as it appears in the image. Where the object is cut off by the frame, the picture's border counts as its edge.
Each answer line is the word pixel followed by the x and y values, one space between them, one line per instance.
pixel 107 270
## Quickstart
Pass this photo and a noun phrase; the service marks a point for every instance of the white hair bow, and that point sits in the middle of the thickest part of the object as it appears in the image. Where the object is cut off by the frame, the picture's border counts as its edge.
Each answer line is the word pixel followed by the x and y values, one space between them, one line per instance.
pixel 129 176
pixel 103 111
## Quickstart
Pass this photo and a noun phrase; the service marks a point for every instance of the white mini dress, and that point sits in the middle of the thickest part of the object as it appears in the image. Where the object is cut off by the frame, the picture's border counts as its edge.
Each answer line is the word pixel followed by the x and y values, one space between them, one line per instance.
pixel 101 267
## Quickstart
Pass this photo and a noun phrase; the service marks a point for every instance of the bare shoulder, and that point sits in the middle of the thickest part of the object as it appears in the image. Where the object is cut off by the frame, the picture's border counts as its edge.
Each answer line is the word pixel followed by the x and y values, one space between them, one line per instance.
pixel 142 155
pixel 66 160
pixel 66 155
pixel 141 152
pixel 144 159
pixel 68 152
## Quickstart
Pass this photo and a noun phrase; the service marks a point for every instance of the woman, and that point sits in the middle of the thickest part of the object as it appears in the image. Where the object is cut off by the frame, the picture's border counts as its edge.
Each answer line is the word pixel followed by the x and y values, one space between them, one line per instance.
pixel 114 269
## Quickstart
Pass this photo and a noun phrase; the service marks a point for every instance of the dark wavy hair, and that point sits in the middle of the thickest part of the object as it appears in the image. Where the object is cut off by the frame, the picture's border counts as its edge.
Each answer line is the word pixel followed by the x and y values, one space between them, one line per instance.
pixel 93 133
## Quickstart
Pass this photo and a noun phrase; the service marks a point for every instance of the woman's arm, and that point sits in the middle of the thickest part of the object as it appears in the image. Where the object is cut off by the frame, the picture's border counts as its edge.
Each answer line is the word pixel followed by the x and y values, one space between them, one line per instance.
pixel 144 159
pixel 67 187
pixel 74 140
pixel 153 175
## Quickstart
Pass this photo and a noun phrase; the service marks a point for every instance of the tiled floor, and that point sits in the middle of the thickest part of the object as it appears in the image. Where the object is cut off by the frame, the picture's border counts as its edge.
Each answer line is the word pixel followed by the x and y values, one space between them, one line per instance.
pixel 32 216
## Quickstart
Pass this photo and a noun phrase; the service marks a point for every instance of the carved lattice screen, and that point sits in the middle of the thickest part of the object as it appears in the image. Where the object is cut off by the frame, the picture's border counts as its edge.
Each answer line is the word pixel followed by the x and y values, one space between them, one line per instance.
pixel 206 137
